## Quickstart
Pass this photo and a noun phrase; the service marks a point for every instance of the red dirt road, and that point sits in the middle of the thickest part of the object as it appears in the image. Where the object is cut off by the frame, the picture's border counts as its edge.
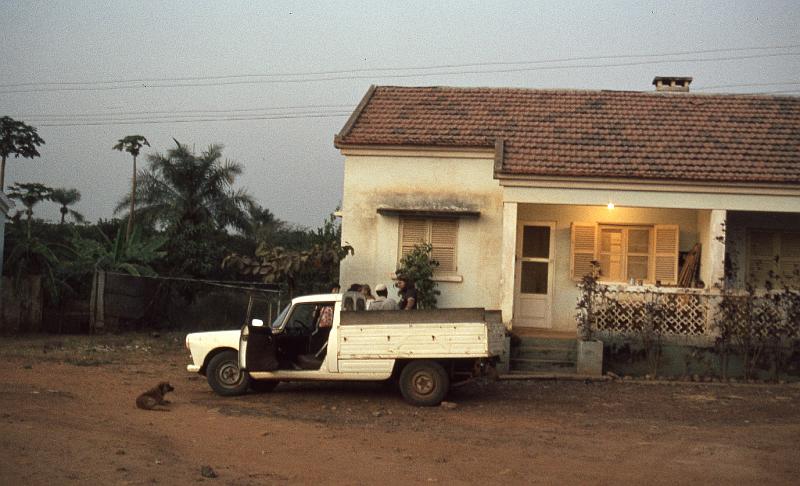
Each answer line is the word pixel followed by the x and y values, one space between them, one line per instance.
pixel 67 416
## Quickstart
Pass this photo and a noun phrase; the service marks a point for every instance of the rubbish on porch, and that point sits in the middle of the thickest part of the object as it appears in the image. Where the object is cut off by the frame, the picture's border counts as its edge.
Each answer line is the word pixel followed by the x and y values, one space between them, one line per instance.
pixel 688 271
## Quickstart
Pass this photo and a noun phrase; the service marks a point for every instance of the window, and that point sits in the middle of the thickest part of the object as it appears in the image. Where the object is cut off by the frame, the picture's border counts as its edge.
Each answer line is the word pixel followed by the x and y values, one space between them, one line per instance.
pixel 440 233
pixel 640 252
pixel 624 253
pixel 773 254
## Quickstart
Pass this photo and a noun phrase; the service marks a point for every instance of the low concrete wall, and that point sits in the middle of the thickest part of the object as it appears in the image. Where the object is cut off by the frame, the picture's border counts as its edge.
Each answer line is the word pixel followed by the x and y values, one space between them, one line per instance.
pixel 627 356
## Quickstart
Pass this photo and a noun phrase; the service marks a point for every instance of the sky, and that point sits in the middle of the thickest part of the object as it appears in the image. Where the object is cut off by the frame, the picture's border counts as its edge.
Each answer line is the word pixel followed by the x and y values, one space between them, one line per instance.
pixel 240 74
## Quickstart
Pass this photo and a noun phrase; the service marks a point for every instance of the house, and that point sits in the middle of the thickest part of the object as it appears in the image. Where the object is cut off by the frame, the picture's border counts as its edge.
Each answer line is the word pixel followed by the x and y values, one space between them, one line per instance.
pixel 519 190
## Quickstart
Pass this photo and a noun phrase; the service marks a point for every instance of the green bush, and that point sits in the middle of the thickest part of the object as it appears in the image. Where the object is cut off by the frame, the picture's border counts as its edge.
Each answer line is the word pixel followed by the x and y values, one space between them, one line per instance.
pixel 418 265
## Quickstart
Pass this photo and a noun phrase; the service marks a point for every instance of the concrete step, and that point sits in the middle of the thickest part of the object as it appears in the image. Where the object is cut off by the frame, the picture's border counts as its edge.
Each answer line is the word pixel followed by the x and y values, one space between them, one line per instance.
pixel 542 365
pixel 546 352
pixel 548 342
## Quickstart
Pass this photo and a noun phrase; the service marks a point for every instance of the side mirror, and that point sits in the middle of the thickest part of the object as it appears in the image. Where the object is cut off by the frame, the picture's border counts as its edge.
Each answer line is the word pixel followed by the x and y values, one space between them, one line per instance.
pixel 257 323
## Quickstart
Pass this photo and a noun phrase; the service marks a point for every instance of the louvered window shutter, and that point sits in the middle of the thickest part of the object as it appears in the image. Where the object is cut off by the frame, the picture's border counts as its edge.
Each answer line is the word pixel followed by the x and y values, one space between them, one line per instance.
pixel 582 249
pixel 666 253
pixel 789 262
pixel 761 257
pixel 443 239
pixel 413 231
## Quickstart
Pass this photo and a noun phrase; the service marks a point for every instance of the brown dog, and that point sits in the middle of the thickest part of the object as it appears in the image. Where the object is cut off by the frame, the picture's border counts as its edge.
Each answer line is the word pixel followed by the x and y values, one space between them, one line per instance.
pixel 154 396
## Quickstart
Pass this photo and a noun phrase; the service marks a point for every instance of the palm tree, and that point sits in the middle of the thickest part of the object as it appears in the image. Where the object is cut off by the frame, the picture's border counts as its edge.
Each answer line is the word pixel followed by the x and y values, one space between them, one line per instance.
pixel 17 139
pixel 67 197
pixel 29 194
pixel 181 189
pixel 131 144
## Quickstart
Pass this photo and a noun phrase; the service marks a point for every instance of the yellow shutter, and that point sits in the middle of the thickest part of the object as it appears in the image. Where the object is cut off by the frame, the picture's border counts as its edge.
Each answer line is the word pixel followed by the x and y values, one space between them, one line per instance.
pixel 444 233
pixel 582 249
pixel 413 231
pixel 666 253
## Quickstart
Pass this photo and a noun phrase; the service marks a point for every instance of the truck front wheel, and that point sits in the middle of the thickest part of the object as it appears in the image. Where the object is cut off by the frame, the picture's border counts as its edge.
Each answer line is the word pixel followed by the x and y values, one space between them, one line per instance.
pixel 424 383
pixel 224 375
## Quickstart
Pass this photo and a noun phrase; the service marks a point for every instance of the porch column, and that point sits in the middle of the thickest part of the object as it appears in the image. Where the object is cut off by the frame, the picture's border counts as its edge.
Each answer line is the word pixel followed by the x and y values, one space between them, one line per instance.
pixel 508 254
pixel 716 246
pixel 713 264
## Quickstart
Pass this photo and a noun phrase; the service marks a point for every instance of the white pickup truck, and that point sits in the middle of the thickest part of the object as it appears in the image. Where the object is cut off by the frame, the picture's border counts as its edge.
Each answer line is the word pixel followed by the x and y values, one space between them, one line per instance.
pixel 425 350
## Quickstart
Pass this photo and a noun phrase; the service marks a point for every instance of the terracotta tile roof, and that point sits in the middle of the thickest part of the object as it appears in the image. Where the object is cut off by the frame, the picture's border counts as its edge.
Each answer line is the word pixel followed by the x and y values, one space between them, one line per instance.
pixel 689 137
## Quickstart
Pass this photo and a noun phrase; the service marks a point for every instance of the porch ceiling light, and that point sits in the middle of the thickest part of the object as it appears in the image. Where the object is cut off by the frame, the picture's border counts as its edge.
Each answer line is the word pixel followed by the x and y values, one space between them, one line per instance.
pixel 610 205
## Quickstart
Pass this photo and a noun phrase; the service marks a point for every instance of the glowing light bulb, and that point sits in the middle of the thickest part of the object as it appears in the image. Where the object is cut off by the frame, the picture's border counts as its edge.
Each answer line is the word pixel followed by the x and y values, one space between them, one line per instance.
pixel 610 205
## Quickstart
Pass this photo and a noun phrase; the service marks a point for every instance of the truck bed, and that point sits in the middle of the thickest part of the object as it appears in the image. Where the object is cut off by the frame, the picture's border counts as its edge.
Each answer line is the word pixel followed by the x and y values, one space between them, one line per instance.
pixel 435 333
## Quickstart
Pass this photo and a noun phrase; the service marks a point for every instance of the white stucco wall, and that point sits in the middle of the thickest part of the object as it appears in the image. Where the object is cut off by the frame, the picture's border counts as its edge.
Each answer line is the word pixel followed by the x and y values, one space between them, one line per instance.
pixel 565 292
pixel 372 181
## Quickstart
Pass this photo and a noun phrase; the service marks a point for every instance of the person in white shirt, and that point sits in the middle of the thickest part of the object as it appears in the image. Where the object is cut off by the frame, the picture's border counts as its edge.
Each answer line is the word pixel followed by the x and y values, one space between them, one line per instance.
pixel 382 301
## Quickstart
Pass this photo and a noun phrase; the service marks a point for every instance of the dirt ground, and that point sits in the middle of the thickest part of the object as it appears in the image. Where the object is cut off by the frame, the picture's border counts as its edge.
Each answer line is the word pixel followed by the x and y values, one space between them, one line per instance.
pixel 67 416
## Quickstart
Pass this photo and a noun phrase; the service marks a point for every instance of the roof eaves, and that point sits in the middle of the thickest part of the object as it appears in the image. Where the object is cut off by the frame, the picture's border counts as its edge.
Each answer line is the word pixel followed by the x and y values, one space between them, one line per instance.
pixel 337 139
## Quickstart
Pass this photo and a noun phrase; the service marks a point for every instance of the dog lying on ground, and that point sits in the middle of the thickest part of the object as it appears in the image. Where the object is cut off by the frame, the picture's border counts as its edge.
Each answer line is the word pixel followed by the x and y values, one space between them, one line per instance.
pixel 154 397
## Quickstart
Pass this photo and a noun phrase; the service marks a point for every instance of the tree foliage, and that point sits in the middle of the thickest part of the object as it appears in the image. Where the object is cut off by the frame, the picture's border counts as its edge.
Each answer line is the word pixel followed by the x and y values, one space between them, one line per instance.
pixel 181 189
pixel 17 139
pixel 30 254
pixel 418 266
pixel 67 197
pixel 315 269
pixel 29 194
pixel 133 255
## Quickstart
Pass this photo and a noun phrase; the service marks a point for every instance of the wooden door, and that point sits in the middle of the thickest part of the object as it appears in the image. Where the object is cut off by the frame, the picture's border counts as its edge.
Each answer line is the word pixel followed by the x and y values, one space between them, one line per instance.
pixel 533 281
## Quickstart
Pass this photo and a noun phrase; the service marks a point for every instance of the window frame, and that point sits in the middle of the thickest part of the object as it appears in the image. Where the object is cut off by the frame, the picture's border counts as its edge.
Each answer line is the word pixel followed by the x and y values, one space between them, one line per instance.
pixel 439 272
pixel 625 254
pixel 664 253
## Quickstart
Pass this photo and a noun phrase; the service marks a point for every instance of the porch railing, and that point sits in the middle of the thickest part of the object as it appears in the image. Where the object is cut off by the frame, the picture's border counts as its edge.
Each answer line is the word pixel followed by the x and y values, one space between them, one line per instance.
pixel 693 312
pixel 623 310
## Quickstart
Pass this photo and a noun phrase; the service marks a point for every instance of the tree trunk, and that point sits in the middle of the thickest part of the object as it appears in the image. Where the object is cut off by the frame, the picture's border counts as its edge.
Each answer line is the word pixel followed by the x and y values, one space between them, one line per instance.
pixel 3 175
pixel 64 211
pixel 133 202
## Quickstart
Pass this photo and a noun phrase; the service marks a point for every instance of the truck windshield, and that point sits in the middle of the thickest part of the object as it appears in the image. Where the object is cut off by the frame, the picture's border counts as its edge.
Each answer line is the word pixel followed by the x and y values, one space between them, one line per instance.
pixel 279 319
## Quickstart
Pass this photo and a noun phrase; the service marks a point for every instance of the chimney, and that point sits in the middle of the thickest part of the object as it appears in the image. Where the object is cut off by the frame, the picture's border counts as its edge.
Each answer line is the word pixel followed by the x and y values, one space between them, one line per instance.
pixel 672 84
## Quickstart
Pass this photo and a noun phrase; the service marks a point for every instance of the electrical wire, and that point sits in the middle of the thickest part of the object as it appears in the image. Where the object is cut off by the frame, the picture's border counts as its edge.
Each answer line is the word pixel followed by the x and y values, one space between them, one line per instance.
pixel 745 85
pixel 128 122
pixel 396 76
pixel 175 112
pixel 405 68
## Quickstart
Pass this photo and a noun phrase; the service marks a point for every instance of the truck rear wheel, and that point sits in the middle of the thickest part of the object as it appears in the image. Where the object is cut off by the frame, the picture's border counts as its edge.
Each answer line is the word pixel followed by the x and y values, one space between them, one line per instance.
pixel 424 383
pixel 224 375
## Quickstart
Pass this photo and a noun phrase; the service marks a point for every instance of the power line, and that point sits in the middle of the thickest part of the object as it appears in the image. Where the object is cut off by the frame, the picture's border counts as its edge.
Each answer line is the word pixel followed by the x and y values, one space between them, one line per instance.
pixel 115 117
pixel 398 76
pixel 174 112
pixel 390 69
pixel 743 85
pixel 130 122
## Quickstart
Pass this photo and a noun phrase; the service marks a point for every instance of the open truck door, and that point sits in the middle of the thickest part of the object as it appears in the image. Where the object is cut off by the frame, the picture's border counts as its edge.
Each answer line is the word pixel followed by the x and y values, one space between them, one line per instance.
pixel 257 349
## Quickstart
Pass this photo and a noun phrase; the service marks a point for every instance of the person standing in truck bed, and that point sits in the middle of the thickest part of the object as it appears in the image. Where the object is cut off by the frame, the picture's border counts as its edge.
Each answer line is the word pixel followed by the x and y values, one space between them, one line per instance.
pixel 407 293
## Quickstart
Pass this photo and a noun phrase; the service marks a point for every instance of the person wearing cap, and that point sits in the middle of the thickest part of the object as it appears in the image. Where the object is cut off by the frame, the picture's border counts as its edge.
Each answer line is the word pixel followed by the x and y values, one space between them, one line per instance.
pixel 382 302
